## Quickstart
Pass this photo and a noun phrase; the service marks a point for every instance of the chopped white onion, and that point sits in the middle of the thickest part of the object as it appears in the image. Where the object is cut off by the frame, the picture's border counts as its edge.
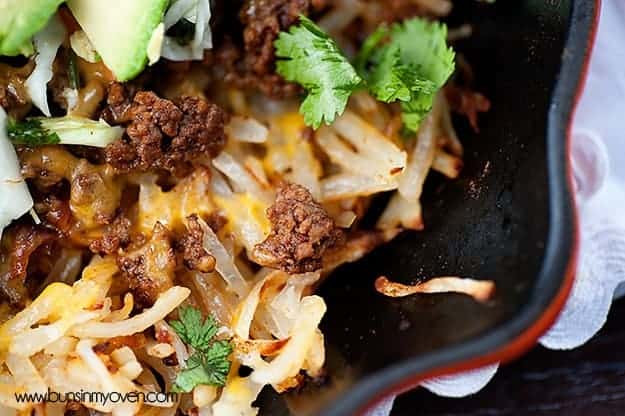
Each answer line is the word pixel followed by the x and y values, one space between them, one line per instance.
pixel 47 42
pixel 181 350
pixel 71 96
pixel 15 200
pixel 178 10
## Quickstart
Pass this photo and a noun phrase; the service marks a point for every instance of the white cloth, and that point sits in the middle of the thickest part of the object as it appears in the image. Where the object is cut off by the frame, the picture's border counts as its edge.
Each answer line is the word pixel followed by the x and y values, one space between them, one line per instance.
pixel 599 167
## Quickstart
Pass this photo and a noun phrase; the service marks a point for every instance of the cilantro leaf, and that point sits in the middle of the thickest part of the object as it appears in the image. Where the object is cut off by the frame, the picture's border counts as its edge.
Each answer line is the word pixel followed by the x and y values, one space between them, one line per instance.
pixel 309 57
pixel 193 330
pixel 392 80
pixel 369 48
pixel 30 132
pixel 209 364
pixel 408 62
pixel 217 363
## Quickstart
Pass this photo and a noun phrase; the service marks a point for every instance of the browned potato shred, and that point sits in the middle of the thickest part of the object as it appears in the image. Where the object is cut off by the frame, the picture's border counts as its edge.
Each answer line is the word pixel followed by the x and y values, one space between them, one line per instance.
pixel 480 290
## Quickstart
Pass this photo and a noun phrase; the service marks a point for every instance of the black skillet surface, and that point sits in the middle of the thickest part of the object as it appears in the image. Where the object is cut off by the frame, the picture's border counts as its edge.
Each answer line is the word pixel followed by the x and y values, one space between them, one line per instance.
pixel 509 218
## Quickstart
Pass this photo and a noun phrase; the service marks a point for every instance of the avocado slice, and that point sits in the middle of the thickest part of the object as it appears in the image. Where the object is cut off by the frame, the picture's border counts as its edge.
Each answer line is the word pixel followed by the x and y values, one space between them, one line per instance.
pixel 20 20
pixel 120 31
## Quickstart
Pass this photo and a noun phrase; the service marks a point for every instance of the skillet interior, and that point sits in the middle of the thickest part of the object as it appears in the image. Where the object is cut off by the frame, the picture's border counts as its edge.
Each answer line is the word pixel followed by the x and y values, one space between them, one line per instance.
pixel 500 221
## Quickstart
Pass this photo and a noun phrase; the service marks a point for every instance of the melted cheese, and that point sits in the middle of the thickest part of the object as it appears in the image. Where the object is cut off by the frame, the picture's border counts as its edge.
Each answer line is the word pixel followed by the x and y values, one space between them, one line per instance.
pixel 60 304
pixel 247 218
pixel 190 196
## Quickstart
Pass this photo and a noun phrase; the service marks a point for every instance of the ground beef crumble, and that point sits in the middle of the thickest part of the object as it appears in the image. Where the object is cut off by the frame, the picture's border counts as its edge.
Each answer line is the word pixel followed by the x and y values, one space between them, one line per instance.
pixel 54 212
pixel 21 242
pixel 252 64
pixel 191 246
pixel 13 95
pixel 264 20
pixel 116 235
pixel 149 269
pixel 301 232
pixel 162 134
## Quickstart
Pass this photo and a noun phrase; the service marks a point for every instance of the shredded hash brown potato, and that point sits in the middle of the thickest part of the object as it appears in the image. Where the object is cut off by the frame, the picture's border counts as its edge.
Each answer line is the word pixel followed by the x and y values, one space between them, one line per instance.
pixel 480 290
pixel 218 210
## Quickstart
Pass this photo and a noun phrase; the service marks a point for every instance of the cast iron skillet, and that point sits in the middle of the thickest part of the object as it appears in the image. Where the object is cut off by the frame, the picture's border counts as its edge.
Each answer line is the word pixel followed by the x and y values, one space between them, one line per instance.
pixel 510 218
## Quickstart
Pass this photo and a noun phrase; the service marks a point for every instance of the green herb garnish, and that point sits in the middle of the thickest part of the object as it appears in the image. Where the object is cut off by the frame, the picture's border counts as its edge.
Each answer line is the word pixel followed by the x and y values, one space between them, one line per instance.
pixel 407 62
pixel 30 132
pixel 39 131
pixel 72 71
pixel 209 363
pixel 309 57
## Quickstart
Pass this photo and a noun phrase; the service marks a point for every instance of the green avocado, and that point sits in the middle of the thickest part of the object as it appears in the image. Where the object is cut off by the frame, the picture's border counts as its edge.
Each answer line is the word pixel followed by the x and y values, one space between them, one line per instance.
pixel 20 20
pixel 120 31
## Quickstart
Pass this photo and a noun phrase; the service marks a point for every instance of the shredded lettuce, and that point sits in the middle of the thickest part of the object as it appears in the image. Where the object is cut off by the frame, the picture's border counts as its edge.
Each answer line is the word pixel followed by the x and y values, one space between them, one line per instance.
pixel 15 200
pixel 47 43
pixel 39 131
pixel 188 31
pixel 308 56
pixel 407 62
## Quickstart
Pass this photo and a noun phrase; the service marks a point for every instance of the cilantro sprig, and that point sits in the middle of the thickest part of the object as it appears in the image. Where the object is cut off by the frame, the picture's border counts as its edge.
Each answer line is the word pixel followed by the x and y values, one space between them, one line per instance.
pixel 309 57
pixel 407 62
pixel 209 363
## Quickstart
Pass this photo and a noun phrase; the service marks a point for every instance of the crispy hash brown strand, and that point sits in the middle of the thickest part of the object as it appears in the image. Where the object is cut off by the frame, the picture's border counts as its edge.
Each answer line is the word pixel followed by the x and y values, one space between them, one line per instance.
pixel 480 290
pixel 301 232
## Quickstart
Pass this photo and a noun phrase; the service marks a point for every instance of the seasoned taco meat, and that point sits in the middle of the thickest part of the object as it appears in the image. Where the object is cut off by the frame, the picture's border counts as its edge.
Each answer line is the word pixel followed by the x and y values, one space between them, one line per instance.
pixel 13 95
pixel 301 232
pixel 191 246
pixel 252 65
pixel 55 212
pixel 20 244
pixel 160 133
pixel 149 270
pixel 264 20
pixel 116 235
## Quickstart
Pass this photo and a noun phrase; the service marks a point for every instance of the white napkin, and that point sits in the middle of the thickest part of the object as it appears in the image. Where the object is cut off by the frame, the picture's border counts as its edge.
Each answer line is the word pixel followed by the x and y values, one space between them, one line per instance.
pixel 599 167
